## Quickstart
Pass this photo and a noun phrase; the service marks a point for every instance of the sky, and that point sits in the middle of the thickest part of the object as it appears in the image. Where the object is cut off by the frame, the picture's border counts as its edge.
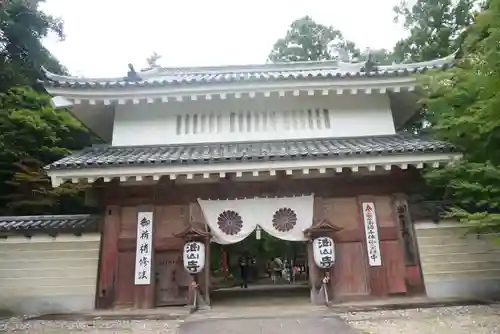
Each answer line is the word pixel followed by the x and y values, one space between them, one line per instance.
pixel 103 36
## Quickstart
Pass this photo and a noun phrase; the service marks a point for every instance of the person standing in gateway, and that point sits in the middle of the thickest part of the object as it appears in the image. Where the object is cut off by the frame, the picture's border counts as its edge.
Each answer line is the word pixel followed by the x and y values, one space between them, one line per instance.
pixel 244 271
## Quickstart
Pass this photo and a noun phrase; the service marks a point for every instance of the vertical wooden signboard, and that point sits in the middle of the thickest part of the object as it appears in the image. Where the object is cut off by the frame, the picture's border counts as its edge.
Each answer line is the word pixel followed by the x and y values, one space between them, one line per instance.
pixel 372 239
pixel 144 248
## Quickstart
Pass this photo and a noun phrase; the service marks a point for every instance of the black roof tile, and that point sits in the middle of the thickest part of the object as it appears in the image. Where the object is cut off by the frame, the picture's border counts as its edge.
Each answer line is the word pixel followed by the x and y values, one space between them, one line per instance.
pixel 186 154
pixel 49 224
pixel 248 73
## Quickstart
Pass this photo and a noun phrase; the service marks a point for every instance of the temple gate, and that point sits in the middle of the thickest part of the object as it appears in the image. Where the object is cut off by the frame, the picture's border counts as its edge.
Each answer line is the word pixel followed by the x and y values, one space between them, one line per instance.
pixel 266 135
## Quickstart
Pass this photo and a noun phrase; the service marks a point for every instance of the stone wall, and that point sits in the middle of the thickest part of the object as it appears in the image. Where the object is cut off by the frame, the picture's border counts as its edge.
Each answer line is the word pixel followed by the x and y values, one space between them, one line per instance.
pixel 43 274
pixel 456 264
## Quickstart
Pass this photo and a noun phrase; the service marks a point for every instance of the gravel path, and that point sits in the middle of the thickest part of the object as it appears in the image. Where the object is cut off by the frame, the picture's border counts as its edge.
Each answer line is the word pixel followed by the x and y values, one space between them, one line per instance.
pixel 96 326
pixel 454 320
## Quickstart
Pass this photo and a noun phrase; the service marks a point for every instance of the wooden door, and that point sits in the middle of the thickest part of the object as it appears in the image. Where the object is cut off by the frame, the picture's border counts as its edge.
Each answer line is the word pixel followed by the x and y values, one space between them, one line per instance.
pixel 350 271
pixel 393 262
pixel 172 280
pixel 125 279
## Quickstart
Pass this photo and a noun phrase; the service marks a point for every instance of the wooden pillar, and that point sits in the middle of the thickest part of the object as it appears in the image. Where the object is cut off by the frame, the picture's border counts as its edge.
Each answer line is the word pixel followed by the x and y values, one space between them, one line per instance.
pixel 314 274
pixel 207 270
pixel 108 258
pixel 224 262
pixel 144 295
pixel 414 275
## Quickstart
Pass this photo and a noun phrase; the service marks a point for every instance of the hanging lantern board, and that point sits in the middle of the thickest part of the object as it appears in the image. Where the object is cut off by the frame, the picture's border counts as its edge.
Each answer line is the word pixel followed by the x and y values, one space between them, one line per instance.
pixel 324 252
pixel 194 257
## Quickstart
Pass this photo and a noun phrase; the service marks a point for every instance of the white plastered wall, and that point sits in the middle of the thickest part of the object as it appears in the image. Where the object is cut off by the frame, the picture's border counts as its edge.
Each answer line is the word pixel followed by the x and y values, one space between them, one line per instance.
pixel 249 119
pixel 45 275
pixel 455 265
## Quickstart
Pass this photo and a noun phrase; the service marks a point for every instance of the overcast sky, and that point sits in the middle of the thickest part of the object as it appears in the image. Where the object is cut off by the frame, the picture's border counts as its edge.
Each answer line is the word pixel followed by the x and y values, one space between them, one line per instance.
pixel 103 36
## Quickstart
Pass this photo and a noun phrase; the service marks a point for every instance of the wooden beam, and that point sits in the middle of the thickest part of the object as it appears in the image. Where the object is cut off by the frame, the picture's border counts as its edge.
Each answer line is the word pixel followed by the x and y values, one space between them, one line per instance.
pixel 339 186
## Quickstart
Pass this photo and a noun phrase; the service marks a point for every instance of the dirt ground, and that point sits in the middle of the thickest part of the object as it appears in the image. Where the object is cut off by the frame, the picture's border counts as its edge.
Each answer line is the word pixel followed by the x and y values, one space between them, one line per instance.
pixel 454 320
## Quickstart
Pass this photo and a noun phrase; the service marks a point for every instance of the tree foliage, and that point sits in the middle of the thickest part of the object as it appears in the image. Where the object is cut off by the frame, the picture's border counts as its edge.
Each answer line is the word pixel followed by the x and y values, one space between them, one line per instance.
pixel 32 192
pixel 435 27
pixel 32 133
pixel 464 106
pixel 307 40
pixel 22 54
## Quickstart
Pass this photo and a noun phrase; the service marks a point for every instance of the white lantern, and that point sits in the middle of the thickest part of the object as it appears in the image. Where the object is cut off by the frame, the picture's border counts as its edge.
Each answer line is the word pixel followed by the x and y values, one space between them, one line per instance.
pixel 324 252
pixel 194 257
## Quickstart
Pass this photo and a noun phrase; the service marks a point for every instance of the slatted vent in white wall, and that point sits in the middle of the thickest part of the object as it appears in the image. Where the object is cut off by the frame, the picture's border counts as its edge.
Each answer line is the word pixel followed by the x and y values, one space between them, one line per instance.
pixel 253 121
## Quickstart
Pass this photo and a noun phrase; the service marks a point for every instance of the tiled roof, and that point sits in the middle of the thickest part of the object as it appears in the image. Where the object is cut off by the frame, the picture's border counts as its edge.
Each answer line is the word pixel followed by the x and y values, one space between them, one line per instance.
pixel 266 72
pixel 49 224
pixel 106 156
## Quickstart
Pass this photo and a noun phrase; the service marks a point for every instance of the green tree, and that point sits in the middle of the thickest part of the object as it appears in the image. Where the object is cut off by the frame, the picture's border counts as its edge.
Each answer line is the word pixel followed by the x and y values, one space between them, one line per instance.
pixel 464 107
pixel 435 28
pixel 22 27
pixel 33 134
pixel 33 193
pixel 308 40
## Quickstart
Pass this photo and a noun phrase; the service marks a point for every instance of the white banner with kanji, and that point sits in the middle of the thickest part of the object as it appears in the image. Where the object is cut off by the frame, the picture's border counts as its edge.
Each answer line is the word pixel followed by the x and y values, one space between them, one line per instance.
pixel 371 230
pixel 144 248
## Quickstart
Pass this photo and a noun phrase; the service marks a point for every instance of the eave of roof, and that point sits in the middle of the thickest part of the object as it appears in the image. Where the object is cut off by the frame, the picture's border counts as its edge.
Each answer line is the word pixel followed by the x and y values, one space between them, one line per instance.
pixel 49 224
pixel 307 149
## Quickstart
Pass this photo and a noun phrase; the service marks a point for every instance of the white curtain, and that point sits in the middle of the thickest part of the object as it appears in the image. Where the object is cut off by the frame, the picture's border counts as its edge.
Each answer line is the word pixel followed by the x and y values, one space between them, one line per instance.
pixel 285 218
pixel 231 221
pixel 220 212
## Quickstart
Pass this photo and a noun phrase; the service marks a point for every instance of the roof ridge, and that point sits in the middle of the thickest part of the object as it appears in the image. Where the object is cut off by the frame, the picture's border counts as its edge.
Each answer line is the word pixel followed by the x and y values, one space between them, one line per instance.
pixel 176 75
pixel 249 68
